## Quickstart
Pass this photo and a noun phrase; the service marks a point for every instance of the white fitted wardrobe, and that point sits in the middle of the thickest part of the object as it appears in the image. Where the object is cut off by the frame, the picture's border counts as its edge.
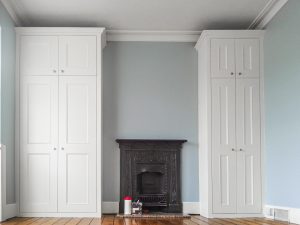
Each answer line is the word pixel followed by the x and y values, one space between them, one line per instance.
pixel 230 130
pixel 59 121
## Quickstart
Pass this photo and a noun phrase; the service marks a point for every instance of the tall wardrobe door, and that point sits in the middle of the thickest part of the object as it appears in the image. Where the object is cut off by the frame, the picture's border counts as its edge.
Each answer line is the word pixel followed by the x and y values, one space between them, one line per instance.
pixel 223 146
pixel 38 143
pixel 77 138
pixel 248 144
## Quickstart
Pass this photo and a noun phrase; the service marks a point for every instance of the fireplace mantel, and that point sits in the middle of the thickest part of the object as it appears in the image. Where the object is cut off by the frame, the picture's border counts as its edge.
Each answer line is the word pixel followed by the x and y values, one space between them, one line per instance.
pixel 152 155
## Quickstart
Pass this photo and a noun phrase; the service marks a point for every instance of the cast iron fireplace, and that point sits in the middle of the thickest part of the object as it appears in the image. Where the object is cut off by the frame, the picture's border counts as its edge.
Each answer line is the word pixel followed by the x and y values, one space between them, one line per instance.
pixel 150 172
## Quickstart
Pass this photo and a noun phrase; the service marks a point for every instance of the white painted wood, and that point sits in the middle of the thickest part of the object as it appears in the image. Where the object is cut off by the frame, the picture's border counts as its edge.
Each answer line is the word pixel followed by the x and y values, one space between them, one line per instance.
pixel 77 55
pixel 77 140
pixel 39 55
pixel 209 118
pixel 223 146
pixel 222 58
pixel 247 58
pixel 153 36
pixel 248 146
pixel 38 143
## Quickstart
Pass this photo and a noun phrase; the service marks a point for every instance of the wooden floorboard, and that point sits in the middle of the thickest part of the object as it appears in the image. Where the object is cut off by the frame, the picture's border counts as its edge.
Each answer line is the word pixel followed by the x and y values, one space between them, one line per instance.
pixel 112 220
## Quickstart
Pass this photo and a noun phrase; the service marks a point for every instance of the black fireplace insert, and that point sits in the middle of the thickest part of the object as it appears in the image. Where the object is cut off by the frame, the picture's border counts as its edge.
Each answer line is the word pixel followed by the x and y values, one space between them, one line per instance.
pixel 150 172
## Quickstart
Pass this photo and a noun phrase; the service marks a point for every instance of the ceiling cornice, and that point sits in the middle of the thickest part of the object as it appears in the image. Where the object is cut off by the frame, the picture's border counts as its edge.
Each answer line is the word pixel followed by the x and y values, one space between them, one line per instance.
pixel 11 9
pixel 260 22
pixel 153 36
pixel 267 13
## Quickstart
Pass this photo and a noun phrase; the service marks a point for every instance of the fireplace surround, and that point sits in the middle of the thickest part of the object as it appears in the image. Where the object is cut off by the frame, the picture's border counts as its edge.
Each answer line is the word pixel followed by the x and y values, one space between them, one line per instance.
pixel 150 172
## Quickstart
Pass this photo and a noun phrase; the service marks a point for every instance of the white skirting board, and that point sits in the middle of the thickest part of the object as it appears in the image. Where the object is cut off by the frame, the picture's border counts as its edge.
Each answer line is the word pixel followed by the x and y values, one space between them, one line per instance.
pixel 188 207
pixel 293 213
pixel 9 211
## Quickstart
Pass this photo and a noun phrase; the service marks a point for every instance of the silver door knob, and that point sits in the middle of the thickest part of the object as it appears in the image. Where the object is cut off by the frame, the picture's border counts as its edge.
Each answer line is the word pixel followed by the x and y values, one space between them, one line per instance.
pixel 62 71
pixel 62 148
pixel 232 73
pixel 54 149
pixel 240 73
pixel 232 149
pixel 54 71
pixel 241 150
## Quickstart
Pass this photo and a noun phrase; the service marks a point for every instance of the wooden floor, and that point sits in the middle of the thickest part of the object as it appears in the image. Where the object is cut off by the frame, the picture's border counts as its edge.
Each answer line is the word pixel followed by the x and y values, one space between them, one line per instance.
pixel 112 220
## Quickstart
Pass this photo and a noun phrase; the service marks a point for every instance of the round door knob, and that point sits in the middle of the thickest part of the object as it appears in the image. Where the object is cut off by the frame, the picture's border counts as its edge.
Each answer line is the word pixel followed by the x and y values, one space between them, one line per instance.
pixel 240 73
pixel 54 71
pixel 232 73
pixel 241 150
pixel 232 149
pixel 62 148
pixel 62 71
pixel 54 149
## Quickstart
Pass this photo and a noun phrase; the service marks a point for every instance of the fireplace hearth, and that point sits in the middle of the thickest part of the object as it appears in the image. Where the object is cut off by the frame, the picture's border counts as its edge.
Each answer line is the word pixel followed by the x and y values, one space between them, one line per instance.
pixel 150 172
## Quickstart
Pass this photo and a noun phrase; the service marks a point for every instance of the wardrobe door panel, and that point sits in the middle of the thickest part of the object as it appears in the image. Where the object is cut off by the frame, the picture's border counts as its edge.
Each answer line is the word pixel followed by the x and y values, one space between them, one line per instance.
pixel 248 143
pixel 77 55
pixel 38 55
pixel 247 58
pixel 38 143
pixel 222 58
pixel 77 138
pixel 223 146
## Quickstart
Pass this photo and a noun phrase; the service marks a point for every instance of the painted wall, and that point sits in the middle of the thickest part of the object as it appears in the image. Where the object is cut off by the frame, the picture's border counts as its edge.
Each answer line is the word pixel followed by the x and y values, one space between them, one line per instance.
pixel 150 91
pixel 7 97
pixel 282 93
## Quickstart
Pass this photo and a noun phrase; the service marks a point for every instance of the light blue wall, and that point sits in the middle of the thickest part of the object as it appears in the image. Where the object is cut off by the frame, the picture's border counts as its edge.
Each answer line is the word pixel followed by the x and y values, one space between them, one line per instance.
pixel 282 92
pixel 150 91
pixel 7 97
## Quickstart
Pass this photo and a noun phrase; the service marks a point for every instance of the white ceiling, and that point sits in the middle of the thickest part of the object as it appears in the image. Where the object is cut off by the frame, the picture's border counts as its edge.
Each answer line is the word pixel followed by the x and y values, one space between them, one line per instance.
pixel 179 15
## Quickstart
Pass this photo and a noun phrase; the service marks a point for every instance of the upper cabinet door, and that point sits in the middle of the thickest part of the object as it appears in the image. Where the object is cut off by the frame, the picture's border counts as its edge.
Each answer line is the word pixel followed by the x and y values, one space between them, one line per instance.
pixel 222 58
pixel 77 55
pixel 39 55
pixel 247 58
pixel 77 138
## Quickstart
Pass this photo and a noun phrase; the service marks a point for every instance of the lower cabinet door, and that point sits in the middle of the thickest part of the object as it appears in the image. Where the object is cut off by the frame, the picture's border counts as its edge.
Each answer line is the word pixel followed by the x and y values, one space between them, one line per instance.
pixel 248 142
pixel 38 140
pixel 77 139
pixel 223 146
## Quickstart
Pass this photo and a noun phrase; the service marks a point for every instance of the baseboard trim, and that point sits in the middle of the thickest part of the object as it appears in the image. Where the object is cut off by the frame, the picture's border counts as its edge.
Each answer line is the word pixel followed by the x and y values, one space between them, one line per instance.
pixel 9 211
pixel 110 207
pixel 294 213
pixel 83 215
pixel 188 207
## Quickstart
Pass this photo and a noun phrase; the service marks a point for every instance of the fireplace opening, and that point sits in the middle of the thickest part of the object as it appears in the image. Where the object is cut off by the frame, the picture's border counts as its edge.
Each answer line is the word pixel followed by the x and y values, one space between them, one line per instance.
pixel 150 183
pixel 150 172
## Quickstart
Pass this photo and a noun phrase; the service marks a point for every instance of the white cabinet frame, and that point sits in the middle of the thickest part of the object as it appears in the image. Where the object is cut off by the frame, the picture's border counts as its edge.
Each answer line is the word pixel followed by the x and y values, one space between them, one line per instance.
pixel 101 43
pixel 205 118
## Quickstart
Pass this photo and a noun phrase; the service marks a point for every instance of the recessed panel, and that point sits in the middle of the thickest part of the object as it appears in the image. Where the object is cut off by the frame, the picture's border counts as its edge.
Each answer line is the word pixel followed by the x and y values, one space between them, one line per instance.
pixel 38 179
pixel 39 113
pixel 77 113
pixel 249 180
pixel 77 179
pixel 224 179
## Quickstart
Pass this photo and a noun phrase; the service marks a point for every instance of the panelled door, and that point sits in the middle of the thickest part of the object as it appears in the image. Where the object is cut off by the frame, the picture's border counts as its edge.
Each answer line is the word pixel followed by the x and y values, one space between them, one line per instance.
pixel 38 55
pixel 248 146
pixel 77 139
pixel 38 139
pixel 247 58
pixel 222 58
pixel 223 145
pixel 77 55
